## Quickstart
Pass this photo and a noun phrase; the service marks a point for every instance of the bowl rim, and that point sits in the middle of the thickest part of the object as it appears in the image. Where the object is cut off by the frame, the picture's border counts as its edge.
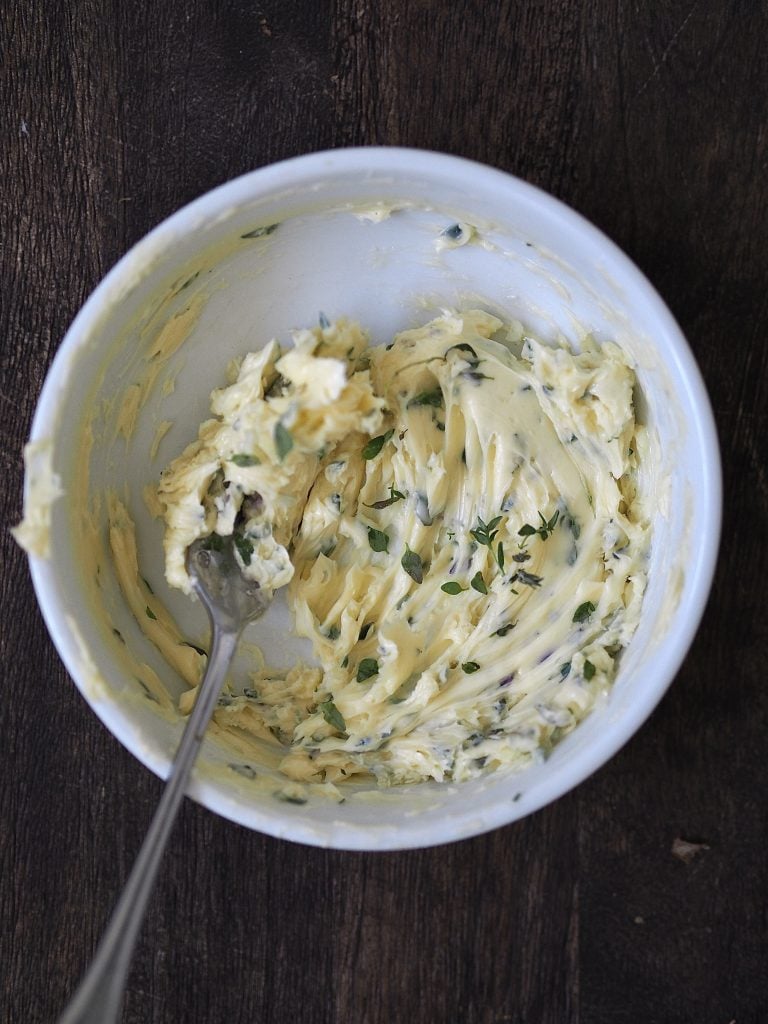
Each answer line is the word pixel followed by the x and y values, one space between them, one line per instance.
pixel 285 821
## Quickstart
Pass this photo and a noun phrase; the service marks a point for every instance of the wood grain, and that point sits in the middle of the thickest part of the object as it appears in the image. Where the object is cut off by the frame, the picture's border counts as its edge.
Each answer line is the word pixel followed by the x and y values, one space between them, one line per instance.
pixel 651 120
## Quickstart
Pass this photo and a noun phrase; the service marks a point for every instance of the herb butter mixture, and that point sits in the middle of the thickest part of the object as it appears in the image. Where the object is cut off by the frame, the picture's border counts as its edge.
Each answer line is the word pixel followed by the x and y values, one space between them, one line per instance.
pixel 456 518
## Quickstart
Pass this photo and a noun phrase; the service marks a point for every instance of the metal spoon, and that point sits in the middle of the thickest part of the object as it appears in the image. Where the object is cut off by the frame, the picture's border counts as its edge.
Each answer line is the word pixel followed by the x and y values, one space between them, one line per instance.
pixel 231 602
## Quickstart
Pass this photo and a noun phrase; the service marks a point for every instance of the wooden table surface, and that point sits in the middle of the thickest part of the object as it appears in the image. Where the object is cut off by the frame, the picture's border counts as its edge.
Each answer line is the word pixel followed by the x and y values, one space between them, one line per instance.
pixel 650 119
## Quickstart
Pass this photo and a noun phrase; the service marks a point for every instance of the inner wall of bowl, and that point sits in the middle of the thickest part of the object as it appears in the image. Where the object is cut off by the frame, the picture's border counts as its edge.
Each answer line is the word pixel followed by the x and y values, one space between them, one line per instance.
pixel 372 258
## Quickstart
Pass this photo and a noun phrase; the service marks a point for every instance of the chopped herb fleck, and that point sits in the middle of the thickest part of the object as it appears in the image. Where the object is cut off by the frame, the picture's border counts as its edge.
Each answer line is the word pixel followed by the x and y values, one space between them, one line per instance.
pixel 378 539
pixel 150 614
pixel 345 661
pixel 332 715
pixel 374 446
pixel 283 441
pixel 569 523
pixel 324 322
pixel 583 612
pixel 200 650
pixel 244 769
pixel 470 667
pixel 261 232
pixel 244 548
pixel 394 496
pixel 530 579
pixel 243 459
pixel 433 398
pixel 478 583
pixel 333 633
pixel 452 588
pixel 368 667
pixel 145 581
pixel 503 630
pixel 565 669
pixel 365 631
pixel 521 556
pixel 413 565
pixel 289 798
pixel 464 347
pixel 589 670
pixel 475 376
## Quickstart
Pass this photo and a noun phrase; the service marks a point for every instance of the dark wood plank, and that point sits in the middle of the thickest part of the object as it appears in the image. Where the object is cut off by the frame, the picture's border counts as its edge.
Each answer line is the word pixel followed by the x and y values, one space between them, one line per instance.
pixel 651 120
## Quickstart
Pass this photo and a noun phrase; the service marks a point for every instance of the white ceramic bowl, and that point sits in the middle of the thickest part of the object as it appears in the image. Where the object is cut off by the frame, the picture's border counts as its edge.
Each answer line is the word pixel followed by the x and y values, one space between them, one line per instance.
pixel 356 237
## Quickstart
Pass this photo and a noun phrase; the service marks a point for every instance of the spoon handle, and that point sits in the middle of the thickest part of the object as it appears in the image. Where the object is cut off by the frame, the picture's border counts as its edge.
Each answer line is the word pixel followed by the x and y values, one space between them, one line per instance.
pixel 99 997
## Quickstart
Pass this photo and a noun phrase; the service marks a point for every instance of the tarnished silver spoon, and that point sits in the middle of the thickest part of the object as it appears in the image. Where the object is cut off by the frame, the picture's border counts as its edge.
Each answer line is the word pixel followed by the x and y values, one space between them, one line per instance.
pixel 231 602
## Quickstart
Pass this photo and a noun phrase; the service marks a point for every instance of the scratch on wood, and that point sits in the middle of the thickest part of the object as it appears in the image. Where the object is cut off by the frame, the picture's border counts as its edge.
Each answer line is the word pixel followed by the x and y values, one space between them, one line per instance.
pixel 667 50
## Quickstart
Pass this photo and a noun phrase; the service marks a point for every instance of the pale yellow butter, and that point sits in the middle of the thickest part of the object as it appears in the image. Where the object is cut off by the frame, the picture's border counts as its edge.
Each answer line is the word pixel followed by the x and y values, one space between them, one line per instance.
pixel 474 617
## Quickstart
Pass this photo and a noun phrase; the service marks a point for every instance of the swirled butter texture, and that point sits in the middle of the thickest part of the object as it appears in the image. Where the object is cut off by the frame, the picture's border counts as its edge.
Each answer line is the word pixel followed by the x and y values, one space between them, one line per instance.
pixel 457 519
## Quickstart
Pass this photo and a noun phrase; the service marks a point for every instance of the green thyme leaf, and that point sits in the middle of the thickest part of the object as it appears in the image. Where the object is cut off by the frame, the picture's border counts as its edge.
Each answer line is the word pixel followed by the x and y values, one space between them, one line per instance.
pixel 332 715
pixel 485 533
pixel 452 588
pixel 500 556
pixel 583 612
pixel 283 441
pixel 374 446
pixel 478 583
pixel 470 667
pixel 432 398
pixel 386 502
pixel 565 669
pixel 378 539
pixel 243 459
pixel 244 548
pixel 368 667
pixel 150 614
pixel 589 670
pixel 412 565
pixel 543 531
